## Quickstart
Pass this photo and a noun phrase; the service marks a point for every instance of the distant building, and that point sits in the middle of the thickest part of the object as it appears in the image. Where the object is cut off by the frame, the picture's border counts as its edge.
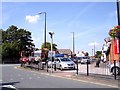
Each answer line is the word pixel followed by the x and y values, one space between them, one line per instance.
pixel 67 52
pixel 82 53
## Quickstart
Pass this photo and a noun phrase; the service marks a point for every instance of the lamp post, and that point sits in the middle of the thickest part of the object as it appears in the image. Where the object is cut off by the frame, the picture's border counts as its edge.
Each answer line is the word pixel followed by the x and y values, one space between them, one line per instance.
pixel 73 43
pixel 92 52
pixel 118 13
pixel 45 28
pixel 51 36
pixel 94 48
pixel 118 17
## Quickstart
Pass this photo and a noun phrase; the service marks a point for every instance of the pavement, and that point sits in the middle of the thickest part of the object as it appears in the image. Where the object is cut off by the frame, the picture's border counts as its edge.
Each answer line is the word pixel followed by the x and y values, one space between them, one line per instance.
pixel 98 78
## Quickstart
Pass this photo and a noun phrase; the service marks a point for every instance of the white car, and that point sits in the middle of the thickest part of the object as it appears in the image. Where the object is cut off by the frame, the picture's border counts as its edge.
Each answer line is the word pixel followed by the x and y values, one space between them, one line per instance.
pixel 84 60
pixel 62 63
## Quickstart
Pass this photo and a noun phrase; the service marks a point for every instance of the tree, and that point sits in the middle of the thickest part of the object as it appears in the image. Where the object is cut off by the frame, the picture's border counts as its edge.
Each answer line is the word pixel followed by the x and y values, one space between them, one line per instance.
pixel 98 54
pixel 14 41
pixel 48 46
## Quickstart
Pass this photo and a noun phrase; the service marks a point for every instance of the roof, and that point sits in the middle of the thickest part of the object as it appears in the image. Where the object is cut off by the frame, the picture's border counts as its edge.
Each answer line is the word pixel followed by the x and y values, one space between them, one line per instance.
pixel 65 51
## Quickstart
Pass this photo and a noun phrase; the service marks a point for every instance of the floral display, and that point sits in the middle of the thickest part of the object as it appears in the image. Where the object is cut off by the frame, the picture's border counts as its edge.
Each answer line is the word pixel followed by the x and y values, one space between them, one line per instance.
pixel 113 31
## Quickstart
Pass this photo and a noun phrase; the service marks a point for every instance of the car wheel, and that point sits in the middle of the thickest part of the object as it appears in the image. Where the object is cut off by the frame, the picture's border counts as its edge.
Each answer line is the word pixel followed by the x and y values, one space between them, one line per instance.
pixel 117 71
pixel 61 67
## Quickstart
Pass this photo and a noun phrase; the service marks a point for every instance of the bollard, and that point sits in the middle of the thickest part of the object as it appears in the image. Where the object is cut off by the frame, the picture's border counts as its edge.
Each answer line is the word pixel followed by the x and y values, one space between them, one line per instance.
pixel 38 67
pixel 115 69
pixel 47 65
pixel 42 66
pixel 55 66
pixel 77 68
pixel 87 69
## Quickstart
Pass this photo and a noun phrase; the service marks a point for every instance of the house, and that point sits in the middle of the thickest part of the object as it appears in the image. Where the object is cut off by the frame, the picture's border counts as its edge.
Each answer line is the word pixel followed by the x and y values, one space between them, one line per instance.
pixel 67 52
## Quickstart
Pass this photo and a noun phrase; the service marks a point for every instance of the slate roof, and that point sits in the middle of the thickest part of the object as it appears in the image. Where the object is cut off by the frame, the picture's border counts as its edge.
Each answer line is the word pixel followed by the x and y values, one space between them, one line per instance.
pixel 65 51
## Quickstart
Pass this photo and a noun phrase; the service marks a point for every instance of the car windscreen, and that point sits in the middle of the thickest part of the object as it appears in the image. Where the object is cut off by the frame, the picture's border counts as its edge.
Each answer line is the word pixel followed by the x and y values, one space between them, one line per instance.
pixel 78 58
pixel 85 57
pixel 65 59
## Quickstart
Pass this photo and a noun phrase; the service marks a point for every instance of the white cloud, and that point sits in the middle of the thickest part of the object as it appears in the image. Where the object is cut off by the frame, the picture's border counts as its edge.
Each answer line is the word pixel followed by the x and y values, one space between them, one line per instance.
pixel 32 19
pixel 93 43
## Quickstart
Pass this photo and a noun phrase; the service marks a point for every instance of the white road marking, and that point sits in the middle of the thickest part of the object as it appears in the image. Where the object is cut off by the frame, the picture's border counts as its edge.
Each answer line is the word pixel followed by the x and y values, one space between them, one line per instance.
pixel 9 86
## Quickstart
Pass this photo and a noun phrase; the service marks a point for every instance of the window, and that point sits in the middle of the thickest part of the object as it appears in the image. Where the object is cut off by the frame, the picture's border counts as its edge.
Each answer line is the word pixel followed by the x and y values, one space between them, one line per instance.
pixel 65 59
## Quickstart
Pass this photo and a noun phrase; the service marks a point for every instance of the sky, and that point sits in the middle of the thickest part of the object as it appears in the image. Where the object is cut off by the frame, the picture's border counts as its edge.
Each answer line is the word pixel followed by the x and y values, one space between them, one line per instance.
pixel 90 22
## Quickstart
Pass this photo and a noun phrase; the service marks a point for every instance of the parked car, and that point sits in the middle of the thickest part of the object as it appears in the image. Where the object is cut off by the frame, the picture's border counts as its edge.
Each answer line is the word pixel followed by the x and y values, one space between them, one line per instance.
pixel 79 59
pixel 62 63
pixel 74 60
pixel 84 60
pixel 24 59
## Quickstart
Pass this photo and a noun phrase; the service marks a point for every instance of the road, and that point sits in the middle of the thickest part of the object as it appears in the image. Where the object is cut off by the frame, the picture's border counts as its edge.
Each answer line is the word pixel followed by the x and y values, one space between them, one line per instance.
pixel 21 78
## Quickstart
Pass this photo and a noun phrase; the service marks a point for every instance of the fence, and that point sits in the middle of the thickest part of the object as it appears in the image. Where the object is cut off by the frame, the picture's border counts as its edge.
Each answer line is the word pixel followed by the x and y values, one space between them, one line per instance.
pixel 103 70
pixel 85 69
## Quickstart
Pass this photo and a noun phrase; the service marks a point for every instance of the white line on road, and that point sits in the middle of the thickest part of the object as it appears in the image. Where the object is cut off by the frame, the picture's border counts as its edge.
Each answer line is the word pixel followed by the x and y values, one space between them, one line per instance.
pixel 9 87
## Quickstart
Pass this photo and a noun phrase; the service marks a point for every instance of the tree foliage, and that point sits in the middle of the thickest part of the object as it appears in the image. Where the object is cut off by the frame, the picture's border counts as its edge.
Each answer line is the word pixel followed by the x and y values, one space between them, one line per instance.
pixel 14 41
pixel 98 54
pixel 48 46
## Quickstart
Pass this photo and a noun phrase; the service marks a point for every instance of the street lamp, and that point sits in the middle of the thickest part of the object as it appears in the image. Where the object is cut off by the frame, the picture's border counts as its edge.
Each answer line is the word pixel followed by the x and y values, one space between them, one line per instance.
pixel 51 36
pixel 92 52
pixel 94 48
pixel 118 13
pixel 73 42
pixel 45 28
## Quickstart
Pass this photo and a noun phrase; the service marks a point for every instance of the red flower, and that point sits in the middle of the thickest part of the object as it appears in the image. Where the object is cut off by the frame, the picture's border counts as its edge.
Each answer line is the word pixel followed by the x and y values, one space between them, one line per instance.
pixel 118 27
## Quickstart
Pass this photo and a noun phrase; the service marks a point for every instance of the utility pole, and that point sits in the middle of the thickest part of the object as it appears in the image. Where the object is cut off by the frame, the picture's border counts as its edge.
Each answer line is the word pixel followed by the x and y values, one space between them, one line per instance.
pixel 45 28
pixel 92 52
pixel 118 13
pixel 94 48
pixel 118 17
pixel 51 36
pixel 73 43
